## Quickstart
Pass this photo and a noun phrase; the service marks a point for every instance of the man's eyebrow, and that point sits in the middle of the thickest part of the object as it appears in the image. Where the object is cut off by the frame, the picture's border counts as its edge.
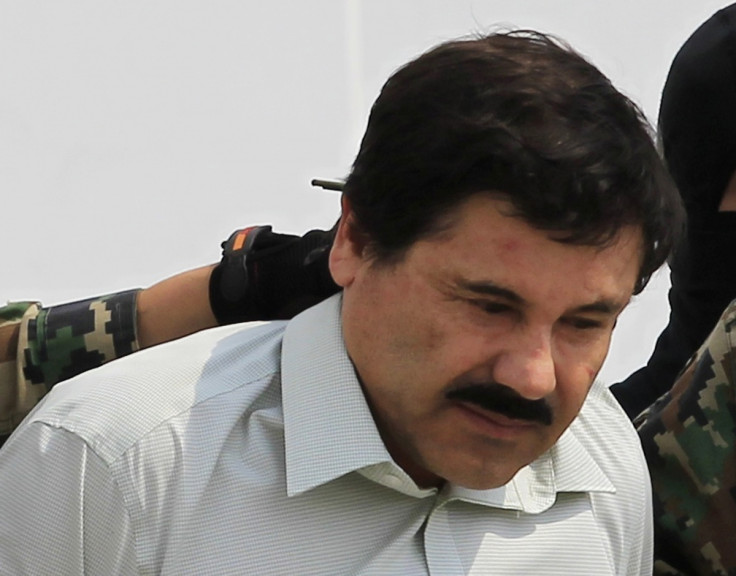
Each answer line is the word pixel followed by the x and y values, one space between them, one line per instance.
pixel 485 288
pixel 604 306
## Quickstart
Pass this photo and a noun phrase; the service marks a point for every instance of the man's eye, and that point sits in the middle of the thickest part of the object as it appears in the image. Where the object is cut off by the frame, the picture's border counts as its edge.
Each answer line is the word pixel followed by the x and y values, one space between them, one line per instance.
pixel 584 323
pixel 492 307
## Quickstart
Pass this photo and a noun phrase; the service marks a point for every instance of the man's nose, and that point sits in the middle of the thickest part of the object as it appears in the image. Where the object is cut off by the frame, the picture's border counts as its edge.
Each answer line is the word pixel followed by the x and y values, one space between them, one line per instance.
pixel 526 364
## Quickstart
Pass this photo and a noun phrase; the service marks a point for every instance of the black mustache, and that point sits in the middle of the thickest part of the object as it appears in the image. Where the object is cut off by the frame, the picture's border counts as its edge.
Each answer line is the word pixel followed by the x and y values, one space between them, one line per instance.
pixel 503 400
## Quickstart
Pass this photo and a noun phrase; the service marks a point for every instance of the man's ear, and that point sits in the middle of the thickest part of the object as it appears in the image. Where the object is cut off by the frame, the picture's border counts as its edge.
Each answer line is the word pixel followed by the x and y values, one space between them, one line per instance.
pixel 348 249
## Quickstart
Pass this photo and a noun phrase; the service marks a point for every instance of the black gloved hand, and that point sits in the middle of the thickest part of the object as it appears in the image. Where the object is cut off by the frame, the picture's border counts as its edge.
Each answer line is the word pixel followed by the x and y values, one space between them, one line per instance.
pixel 269 276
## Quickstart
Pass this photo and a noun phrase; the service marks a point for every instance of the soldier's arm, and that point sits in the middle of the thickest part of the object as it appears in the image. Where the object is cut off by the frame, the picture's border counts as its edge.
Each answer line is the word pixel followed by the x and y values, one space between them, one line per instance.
pixel 40 347
pixel 175 307
pixel 689 440
pixel 262 276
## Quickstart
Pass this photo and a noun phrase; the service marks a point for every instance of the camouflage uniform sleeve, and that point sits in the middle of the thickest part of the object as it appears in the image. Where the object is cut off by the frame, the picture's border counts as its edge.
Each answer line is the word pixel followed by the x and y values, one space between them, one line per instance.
pixel 689 439
pixel 11 317
pixel 59 342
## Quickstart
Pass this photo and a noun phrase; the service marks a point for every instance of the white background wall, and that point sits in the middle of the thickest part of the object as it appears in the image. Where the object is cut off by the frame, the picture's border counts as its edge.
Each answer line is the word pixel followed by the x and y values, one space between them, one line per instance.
pixel 136 135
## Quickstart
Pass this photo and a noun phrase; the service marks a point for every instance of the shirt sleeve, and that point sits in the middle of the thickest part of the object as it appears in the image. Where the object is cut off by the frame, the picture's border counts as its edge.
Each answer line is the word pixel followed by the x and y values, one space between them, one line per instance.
pixel 60 510
pixel 13 405
pixel 58 342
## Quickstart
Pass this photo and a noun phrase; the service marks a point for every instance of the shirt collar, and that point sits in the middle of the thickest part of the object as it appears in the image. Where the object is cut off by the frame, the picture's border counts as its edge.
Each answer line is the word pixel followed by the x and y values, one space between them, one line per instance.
pixel 329 429
pixel 566 467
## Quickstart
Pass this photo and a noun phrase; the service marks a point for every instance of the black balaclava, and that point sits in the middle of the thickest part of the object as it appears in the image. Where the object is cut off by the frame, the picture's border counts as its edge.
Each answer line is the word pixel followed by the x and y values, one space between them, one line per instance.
pixel 697 126
pixel 697 116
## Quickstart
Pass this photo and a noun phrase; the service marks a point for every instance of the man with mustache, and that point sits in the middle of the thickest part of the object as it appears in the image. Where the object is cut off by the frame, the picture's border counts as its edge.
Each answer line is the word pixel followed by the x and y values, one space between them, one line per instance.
pixel 437 417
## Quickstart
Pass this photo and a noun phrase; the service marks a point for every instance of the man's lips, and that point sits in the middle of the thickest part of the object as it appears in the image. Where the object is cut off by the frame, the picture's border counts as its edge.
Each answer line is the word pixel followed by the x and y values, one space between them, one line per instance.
pixel 497 419
pixel 494 425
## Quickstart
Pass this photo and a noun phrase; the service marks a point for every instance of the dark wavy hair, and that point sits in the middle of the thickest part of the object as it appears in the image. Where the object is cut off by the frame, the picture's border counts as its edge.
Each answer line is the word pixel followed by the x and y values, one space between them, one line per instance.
pixel 518 114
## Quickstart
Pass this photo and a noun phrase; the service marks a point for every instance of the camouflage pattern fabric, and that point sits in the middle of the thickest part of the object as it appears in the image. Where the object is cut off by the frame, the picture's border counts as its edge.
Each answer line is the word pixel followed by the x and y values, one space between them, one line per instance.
pixel 11 405
pixel 689 439
pixel 59 342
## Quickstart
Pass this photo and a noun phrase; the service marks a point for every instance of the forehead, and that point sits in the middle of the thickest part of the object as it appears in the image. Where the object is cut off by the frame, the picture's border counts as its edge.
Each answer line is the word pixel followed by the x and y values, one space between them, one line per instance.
pixel 482 242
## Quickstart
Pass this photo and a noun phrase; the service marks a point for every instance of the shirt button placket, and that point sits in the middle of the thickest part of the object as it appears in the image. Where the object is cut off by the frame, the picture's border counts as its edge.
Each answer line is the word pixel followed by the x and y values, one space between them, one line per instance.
pixel 439 545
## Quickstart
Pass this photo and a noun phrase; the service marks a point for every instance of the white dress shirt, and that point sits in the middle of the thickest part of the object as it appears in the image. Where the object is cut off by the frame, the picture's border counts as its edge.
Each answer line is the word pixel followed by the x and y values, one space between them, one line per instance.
pixel 250 449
